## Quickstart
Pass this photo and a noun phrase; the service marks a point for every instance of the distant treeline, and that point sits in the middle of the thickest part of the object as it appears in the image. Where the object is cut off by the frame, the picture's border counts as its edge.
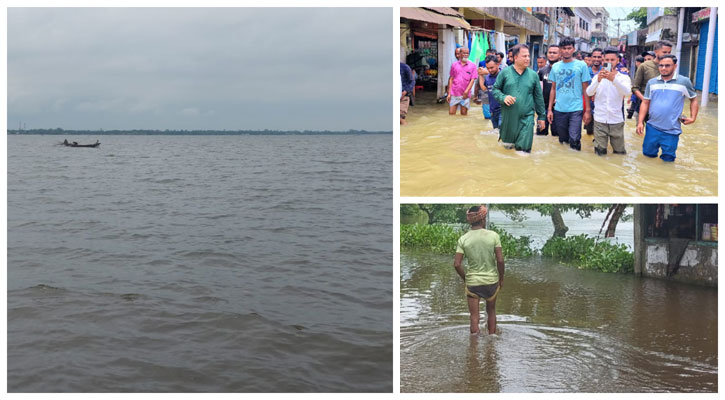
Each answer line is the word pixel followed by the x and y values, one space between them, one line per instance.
pixel 60 131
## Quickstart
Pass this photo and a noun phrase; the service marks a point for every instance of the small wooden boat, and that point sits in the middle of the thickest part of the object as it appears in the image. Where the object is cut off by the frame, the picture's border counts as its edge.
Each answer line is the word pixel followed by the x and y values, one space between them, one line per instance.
pixel 75 144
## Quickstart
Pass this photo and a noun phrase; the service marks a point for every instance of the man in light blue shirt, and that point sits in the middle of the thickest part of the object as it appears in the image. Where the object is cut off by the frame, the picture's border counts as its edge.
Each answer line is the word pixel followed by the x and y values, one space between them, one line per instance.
pixel 664 99
pixel 569 80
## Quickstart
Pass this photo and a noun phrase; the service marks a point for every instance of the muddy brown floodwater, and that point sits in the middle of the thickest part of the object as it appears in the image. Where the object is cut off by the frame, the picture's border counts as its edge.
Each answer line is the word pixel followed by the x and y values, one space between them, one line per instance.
pixel 441 155
pixel 560 329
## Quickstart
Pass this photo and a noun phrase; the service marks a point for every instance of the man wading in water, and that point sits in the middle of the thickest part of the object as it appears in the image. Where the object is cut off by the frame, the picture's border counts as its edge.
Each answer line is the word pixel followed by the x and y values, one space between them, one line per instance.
pixel 484 276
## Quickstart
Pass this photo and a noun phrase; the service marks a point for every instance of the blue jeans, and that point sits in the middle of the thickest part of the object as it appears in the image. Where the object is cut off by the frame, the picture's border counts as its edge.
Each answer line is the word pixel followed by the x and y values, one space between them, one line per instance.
pixel 486 111
pixel 655 139
pixel 496 117
pixel 569 126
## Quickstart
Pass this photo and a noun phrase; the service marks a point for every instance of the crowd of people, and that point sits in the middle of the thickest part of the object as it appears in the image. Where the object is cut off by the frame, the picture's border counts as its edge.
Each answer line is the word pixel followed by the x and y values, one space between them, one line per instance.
pixel 572 91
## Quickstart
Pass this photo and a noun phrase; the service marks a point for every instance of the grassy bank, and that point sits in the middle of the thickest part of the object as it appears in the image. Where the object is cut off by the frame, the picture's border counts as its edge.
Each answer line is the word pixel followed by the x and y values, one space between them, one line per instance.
pixel 582 251
pixel 586 253
pixel 442 239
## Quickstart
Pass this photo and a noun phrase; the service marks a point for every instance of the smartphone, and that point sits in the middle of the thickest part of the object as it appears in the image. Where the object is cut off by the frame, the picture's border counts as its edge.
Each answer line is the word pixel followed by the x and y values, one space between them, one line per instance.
pixel 682 118
pixel 608 67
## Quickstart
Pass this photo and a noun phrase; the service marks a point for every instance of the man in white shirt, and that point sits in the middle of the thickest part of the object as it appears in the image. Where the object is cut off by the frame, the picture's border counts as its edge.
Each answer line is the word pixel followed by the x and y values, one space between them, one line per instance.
pixel 609 89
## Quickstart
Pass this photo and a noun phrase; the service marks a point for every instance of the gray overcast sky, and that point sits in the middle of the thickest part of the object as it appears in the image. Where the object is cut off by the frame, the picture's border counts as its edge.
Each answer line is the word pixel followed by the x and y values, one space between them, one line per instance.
pixel 625 27
pixel 200 68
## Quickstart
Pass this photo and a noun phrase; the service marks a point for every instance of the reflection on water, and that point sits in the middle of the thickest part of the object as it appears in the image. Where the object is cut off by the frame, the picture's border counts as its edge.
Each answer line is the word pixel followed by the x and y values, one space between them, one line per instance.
pixel 561 330
pixel 442 155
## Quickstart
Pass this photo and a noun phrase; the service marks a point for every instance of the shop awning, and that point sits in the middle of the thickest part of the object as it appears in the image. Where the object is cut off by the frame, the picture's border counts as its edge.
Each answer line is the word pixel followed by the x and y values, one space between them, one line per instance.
pixel 654 36
pixel 436 15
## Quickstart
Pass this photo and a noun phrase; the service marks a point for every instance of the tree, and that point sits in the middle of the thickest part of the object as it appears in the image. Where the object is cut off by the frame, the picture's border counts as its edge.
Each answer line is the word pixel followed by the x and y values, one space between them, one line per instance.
pixel 445 213
pixel 514 211
pixel 639 16
pixel 614 214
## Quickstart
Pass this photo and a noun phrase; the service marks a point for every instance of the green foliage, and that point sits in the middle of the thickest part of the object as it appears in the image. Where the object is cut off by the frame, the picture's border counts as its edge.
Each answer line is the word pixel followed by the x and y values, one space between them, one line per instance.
pixel 515 211
pixel 639 16
pixel 513 246
pixel 442 239
pixel 587 253
pixel 445 213
pixel 412 214
pixel 438 238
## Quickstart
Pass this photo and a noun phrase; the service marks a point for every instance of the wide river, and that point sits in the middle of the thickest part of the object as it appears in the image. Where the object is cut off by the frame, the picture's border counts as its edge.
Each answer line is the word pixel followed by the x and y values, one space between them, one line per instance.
pixel 442 155
pixel 560 329
pixel 200 264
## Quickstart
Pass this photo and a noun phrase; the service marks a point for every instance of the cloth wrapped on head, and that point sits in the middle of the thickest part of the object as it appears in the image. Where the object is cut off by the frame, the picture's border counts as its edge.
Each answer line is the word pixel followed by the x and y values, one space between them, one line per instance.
pixel 476 216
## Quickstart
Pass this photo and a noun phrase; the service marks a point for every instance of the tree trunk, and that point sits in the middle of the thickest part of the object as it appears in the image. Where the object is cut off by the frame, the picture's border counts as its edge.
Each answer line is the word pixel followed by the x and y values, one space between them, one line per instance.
pixel 560 228
pixel 616 215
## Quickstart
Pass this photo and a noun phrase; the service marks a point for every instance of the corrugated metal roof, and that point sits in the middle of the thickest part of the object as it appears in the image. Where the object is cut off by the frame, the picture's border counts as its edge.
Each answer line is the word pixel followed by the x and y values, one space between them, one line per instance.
pixel 452 18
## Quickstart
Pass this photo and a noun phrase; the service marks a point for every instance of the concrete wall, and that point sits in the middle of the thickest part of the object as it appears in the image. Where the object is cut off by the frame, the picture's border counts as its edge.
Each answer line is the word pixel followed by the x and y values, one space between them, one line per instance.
pixel 651 256
pixel 515 16
pixel 698 265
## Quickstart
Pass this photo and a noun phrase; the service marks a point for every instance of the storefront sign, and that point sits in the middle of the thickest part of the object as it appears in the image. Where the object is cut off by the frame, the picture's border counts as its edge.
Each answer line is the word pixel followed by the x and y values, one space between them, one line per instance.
pixel 653 13
pixel 654 36
pixel 701 15
pixel 632 39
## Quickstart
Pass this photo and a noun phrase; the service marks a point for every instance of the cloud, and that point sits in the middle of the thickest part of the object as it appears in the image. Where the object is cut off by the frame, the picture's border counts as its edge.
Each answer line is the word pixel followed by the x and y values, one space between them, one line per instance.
pixel 99 66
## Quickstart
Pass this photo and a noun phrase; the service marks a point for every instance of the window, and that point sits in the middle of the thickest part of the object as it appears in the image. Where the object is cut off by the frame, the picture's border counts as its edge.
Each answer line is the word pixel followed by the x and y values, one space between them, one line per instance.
pixel 681 221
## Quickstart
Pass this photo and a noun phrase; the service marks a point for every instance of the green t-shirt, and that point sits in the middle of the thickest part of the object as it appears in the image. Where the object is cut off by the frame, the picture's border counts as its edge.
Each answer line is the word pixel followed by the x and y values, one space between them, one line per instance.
pixel 478 245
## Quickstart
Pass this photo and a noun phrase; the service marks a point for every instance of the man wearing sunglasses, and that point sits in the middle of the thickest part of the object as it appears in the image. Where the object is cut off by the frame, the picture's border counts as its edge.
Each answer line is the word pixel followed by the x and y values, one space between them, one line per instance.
pixel 649 70
pixel 664 99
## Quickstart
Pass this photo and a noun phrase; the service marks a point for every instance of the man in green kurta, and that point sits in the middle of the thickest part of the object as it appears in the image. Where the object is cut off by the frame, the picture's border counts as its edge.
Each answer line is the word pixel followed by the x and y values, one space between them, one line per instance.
pixel 518 91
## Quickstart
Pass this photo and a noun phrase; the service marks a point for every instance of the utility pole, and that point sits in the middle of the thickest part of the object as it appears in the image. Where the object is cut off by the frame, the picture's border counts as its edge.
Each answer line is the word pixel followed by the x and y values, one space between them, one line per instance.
pixel 618 20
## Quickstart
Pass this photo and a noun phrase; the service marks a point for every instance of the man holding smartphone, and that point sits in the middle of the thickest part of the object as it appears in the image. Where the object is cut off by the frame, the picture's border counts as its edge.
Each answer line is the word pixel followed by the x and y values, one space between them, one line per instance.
pixel 609 88
pixel 664 99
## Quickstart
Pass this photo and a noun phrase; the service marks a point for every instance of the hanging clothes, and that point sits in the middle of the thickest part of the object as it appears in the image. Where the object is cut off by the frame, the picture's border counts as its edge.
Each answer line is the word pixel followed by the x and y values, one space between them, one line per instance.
pixel 475 54
pixel 500 42
pixel 484 45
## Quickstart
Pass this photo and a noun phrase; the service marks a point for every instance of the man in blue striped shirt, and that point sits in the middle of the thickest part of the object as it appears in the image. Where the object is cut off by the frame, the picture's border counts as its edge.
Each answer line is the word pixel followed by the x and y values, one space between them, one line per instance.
pixel 664 99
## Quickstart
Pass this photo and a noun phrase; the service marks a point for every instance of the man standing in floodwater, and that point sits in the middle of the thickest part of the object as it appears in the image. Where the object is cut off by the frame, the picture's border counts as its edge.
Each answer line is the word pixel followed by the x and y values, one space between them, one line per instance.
pixel 569 80
pixel 487 85
pixel 664 99
pixel 609 88
pixel 552 56
pixel 463 74
pixel 517 89
pixel 484 276
pixel 648 69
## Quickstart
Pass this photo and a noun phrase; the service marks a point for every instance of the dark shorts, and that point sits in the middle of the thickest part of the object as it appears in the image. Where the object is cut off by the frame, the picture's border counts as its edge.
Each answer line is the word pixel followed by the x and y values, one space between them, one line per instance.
pixel 487 292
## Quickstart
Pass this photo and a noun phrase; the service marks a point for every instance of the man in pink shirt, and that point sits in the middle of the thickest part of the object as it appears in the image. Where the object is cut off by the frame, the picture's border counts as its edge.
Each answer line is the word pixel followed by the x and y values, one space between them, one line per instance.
pixel 463 74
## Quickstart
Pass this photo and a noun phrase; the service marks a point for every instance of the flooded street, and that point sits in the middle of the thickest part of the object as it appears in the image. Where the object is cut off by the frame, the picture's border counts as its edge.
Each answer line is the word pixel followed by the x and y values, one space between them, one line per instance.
pixel 560 329
pixel 441 155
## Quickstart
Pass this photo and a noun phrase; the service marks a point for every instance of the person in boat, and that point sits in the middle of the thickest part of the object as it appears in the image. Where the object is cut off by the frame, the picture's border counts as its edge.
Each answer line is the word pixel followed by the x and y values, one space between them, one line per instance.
pixel 65 142
pixel 75 143
pixel 483 277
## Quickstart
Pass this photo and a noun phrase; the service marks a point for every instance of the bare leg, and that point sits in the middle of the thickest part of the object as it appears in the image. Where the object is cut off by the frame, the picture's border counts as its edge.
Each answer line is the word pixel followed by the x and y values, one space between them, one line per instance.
pixel 473 308
pixel 464 111
pixel 452 110
pixel 491 313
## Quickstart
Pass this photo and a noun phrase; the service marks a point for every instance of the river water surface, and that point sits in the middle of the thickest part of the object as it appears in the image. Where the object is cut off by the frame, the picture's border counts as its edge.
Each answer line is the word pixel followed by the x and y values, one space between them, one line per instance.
pixel 560 329
pixel 200 264
pixel 441 155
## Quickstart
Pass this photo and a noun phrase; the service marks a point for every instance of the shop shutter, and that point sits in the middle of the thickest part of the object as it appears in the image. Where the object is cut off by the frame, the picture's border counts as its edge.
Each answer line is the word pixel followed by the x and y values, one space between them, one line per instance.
pixel 701 59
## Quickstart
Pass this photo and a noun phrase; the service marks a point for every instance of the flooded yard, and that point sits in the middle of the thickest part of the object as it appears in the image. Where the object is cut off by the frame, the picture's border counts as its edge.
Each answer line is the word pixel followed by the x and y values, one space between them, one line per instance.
pixel 560 329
